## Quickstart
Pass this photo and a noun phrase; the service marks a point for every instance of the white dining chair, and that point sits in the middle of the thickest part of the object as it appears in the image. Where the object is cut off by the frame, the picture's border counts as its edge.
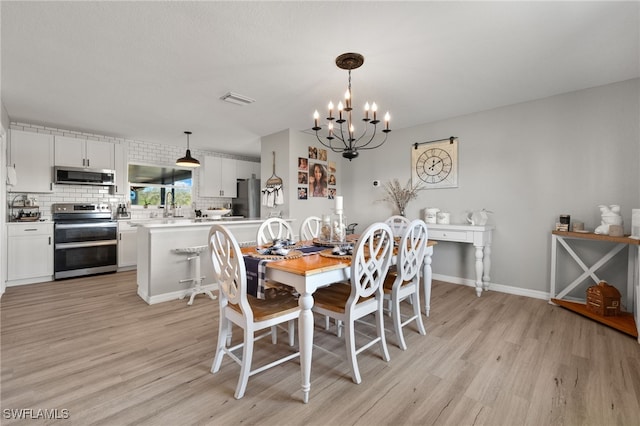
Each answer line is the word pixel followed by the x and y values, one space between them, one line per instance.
pixel 310 228
pixel 273 228
pixel 364 296
pixel 247 312
pixel 398 224
pixel 404 282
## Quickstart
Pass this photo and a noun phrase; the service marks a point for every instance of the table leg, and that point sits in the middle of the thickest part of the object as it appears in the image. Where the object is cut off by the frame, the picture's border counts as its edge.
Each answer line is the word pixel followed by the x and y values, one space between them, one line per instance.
pixel 426 279
pixel 487 267
pixel 305 336
pixel 479 268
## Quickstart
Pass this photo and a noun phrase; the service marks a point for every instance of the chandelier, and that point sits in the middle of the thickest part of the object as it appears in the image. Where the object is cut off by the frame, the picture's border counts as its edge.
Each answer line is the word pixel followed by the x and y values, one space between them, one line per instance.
pixel 342 137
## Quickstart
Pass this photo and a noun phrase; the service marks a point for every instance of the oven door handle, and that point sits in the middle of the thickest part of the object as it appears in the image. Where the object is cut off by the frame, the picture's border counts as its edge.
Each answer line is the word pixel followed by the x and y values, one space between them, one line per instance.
pixel 86 244
pixel 87 225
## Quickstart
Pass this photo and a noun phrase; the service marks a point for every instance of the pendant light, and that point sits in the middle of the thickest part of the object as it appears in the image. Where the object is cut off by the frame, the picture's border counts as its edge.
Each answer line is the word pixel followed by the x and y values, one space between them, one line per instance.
pixel 187 160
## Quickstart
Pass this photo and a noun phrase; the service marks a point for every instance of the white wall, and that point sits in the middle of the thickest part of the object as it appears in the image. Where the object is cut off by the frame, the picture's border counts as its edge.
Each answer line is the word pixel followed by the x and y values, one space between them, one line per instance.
pixel 528 163
pixel 289 145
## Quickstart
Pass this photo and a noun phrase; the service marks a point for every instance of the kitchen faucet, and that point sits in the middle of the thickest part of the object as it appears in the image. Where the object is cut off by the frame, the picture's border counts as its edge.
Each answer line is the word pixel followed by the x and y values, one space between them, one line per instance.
pixel 168 206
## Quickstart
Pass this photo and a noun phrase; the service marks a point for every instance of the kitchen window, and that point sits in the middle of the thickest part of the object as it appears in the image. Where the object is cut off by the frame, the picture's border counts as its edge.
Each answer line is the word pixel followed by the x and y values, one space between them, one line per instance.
pixel 150 184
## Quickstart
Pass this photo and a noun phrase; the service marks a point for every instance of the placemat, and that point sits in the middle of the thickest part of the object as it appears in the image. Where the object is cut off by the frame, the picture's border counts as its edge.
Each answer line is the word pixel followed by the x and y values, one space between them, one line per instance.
pixel 293 254
pixel 328 253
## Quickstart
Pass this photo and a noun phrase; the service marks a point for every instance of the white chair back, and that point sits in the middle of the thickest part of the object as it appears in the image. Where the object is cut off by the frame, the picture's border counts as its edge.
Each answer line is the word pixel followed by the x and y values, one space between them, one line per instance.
pixel 412 249
pixel 398 224
pixel 370 262
pixel 310 228
pixel 273 228
pixel 229 270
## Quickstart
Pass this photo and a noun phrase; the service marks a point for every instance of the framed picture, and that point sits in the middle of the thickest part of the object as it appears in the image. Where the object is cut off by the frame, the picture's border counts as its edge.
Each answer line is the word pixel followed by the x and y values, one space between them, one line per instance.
pixel 303 164
pixel 302 193
pixel 435 164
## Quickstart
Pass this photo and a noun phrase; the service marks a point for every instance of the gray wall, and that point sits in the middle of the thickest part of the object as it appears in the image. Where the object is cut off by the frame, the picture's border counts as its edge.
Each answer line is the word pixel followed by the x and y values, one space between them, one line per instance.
pixel 528 163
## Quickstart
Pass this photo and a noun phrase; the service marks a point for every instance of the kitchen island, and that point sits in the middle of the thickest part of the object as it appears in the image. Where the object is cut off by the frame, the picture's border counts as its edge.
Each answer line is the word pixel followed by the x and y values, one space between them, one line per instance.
pixel 160 268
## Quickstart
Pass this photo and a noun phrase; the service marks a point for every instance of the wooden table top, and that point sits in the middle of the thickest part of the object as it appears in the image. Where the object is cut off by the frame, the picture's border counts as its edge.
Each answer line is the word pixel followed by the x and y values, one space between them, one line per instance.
pixel 597 237
pixel 311 264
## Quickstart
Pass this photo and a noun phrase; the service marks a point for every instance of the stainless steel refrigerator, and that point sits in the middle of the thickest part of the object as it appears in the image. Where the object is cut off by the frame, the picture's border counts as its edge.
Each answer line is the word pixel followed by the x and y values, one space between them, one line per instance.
pixel 247 203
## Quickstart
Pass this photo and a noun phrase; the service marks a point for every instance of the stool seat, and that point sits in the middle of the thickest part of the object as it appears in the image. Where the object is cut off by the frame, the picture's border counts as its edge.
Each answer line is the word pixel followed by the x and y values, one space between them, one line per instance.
pixel 194 255
pixel 191 250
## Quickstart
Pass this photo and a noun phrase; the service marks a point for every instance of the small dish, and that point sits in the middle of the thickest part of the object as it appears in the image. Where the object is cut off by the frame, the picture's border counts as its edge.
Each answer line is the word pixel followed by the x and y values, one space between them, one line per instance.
pixel 581 231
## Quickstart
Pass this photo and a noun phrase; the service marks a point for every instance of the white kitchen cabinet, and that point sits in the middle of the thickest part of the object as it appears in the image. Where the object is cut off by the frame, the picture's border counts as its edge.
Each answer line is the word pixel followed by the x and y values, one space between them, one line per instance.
pixel 244 169
pixel 32 156
pixel 122 170
pixel 77 152
pixel 218 177
pixel 127 245
pixel 29 253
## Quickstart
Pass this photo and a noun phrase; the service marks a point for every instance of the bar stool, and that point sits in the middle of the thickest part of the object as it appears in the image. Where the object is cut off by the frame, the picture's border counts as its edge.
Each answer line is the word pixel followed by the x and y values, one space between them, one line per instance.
pixel 194 260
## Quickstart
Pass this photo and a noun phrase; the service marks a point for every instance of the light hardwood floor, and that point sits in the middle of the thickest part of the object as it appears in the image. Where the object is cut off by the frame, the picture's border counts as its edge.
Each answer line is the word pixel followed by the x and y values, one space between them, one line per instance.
pixel 93 347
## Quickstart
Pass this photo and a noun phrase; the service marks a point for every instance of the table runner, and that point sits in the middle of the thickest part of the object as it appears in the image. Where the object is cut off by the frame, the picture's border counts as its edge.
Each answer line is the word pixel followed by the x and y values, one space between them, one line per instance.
pixel 257 268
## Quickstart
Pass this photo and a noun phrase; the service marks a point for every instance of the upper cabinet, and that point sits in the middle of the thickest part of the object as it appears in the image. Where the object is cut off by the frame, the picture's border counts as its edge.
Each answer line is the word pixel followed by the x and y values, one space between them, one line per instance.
pixel 120 166
pixel 76 152
pixel 32 156
pixel 245 169
pixel 218 177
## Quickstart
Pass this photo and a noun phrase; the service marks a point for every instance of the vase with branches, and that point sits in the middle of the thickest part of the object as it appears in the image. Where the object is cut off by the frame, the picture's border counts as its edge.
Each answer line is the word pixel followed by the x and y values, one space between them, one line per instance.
pixel 400 195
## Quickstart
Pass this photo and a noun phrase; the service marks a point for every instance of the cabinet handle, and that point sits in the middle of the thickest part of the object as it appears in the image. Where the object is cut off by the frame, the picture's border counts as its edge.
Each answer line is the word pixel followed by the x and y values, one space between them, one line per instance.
pixel 120 238
pixel 88 162
pixel 49 240
pixel 31 229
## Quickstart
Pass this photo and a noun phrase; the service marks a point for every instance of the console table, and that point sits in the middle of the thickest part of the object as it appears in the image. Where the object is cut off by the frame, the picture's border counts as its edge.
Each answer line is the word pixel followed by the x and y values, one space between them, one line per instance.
pixel 479 236
pixel 624 322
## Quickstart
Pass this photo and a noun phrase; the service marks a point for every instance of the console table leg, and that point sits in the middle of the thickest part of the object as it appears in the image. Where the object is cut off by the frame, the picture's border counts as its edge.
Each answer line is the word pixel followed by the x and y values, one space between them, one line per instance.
pixel 479 267
pixel 487 267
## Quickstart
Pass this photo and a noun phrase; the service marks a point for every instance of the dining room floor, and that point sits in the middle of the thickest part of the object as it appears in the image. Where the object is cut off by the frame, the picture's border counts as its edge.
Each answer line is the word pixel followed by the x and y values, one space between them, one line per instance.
pixel 91 347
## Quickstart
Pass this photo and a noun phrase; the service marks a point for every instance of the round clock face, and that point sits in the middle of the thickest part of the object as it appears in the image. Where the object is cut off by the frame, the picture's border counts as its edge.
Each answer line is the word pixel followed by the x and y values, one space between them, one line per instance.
pixel 434 165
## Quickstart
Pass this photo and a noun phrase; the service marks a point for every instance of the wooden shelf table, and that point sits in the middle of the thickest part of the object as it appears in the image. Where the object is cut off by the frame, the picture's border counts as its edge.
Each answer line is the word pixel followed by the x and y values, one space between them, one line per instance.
pixel 628 321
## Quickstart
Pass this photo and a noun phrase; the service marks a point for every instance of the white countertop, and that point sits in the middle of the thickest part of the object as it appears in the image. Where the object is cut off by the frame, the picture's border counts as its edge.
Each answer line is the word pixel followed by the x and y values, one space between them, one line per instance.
pixel 181 222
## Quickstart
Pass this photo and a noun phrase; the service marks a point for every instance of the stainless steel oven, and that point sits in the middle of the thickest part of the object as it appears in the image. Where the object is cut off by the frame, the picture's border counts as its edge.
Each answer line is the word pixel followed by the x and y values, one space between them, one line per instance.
pixel 86 240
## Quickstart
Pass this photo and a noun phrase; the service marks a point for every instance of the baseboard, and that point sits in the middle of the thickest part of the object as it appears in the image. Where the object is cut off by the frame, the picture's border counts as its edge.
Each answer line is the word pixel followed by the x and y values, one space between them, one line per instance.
pixel 535 294
pixel 165 297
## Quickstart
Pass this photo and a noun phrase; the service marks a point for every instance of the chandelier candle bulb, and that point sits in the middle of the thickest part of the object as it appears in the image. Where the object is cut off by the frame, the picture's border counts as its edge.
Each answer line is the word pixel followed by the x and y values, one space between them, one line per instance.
pixel 366 111
pixel 330 111
pixel 386 120
pixel 315 119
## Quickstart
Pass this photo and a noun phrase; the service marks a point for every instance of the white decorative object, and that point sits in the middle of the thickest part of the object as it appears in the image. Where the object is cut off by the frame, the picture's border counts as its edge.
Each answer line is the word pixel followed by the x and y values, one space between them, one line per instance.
pixel 610 215
pixel 443 218
pixel 478 217
pixel 339 204
pixel 431 215
pixel 635 224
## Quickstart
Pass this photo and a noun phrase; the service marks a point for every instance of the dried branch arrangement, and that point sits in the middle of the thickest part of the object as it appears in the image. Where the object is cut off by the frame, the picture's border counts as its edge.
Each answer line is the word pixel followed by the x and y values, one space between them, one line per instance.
pixel 400 195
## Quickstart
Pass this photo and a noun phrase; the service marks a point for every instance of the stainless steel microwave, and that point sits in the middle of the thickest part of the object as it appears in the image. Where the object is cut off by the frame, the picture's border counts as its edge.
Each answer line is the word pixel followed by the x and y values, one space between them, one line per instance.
pixel 83 176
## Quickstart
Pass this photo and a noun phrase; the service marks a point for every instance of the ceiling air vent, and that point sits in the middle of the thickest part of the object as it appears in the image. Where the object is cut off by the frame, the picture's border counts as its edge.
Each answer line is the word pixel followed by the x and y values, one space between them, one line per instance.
pixel 237 99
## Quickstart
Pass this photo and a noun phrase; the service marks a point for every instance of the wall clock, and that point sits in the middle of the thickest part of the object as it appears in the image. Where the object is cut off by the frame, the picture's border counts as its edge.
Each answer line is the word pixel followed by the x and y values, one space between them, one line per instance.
pixel 435 164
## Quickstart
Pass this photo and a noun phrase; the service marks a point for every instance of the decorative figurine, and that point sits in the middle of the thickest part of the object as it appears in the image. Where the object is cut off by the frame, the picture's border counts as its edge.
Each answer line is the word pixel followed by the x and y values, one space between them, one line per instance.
pixel 610 216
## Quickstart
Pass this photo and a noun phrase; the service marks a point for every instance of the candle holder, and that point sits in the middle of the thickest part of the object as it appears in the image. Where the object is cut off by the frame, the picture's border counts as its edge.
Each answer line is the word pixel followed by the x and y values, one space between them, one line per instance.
pixel 338 228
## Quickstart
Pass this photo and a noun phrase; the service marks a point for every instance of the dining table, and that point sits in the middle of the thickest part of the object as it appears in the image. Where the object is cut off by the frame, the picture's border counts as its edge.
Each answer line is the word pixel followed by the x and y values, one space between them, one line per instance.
pixel 311 271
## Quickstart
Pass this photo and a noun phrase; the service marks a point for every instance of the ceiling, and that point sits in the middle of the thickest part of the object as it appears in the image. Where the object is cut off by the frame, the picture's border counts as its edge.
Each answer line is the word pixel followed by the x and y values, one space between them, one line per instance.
pixel 150 70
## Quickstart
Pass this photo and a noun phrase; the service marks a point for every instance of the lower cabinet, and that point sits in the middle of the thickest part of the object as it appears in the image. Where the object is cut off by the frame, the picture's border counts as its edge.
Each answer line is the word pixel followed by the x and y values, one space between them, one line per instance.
pixel 29 253
pixel 127 245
